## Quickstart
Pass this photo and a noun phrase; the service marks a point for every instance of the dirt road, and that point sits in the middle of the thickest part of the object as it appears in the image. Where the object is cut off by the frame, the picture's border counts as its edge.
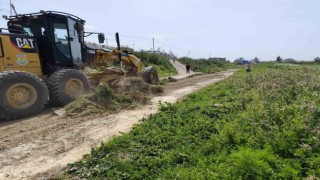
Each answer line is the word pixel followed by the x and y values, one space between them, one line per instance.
pixel 41 146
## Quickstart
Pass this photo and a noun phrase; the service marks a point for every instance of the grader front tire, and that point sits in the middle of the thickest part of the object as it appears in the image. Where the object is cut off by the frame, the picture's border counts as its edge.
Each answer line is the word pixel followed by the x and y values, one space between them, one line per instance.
pixel 150 75
pixel 66 85
pixel 22 94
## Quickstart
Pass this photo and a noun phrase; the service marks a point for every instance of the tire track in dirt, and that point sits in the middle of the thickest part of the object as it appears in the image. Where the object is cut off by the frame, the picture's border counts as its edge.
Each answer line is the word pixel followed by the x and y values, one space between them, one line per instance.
pixel 43 145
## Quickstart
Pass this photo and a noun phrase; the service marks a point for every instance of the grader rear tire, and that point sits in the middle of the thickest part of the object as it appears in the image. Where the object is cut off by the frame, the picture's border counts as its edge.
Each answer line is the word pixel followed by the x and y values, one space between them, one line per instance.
pixel 66 85
pixel 22 94
pixel 150 75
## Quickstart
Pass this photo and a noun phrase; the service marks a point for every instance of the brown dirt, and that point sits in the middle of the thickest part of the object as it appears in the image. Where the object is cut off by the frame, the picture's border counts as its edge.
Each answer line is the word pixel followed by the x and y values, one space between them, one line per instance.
pixel 40 147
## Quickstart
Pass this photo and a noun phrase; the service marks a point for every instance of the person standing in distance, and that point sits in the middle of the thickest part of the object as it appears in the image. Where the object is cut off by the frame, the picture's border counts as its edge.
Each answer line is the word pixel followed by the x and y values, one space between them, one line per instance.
pixel 188 68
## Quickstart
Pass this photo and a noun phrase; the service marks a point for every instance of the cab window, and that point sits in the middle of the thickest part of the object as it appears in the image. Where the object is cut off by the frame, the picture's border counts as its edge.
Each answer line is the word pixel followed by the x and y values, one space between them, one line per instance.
pixel 28 30
pixel 61 38
pixel 43 32
pixel 33 27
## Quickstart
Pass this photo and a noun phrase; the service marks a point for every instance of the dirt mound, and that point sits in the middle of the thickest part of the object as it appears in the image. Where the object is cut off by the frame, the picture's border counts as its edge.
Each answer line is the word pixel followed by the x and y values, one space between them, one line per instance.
pixel 120 94
pixel 136 84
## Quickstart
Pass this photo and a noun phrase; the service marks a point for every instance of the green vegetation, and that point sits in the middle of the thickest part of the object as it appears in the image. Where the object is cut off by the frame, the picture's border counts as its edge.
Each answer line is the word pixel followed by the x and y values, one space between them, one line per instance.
pixel 258 125
pixel 130 93
pixel 205 65
pixel 161 62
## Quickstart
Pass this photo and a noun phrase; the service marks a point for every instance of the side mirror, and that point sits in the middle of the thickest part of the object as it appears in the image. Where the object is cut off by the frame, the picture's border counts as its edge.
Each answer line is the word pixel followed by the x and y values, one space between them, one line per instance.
pixel 101 38
pixel 16 28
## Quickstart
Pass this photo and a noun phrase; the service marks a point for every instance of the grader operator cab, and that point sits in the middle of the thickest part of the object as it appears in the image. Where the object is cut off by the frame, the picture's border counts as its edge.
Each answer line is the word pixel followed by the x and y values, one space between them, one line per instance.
pixel 42 56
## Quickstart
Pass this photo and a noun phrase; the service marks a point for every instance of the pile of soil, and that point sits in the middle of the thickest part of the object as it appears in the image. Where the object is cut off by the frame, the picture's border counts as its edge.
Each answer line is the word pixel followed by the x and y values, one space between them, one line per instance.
pixel 124 93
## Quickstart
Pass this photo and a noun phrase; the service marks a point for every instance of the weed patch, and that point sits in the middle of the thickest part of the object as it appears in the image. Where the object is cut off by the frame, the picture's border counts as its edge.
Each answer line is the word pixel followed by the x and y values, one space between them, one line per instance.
pixel 258 125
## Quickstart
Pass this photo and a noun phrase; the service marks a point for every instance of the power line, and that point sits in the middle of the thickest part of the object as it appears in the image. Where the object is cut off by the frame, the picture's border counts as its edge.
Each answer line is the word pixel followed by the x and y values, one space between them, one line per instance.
pixel 160 41
pixel 192 52
pixel 136 37
pixel 171 46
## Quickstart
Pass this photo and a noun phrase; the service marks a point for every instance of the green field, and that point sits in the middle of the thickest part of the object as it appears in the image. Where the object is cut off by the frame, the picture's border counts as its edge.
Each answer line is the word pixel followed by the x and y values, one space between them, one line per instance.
pixel 259 125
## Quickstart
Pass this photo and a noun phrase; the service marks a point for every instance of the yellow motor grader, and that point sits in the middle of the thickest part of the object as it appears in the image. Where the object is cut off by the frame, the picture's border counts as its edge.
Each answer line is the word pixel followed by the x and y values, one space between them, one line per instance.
pixel 42 58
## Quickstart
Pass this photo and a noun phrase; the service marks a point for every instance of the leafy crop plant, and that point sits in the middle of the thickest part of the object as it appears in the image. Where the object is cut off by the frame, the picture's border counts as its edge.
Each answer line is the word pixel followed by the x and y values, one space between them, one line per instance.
pixel 259 125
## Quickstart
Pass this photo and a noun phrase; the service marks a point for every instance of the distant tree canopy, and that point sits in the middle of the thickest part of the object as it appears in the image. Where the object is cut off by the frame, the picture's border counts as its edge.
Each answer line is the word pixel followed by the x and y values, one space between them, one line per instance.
pixel 239 59
pixel 256 59
pixel 279 59
pixel 317 59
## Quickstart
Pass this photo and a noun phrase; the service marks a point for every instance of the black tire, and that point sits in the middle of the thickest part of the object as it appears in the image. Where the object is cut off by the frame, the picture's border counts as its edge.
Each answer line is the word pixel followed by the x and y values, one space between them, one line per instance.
pixel 22 94
pixel 58 84
pixel 150 75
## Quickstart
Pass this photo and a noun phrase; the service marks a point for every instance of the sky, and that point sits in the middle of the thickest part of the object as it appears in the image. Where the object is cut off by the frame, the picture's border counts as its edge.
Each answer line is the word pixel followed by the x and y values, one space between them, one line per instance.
pixel 198 28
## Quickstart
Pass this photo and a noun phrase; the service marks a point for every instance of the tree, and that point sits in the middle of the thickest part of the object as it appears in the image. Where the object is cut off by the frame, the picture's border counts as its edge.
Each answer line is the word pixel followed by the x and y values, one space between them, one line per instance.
pixel 317 59
pixel 256 59
pixel 240 59
pixel 279 59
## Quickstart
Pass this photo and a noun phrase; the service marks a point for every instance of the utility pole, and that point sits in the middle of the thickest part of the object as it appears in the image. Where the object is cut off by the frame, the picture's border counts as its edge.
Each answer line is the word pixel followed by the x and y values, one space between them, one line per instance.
pixel 153 45
pixel 188 54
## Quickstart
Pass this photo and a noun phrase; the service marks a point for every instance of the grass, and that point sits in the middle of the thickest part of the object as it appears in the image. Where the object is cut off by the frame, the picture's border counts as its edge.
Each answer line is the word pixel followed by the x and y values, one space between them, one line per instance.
pixel 161 62
pixel 259 125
